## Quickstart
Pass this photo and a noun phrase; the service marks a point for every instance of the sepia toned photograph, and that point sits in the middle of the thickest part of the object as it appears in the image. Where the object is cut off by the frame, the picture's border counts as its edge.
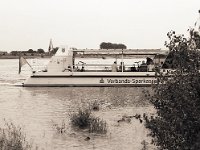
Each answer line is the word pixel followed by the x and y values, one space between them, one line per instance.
pixel 100 75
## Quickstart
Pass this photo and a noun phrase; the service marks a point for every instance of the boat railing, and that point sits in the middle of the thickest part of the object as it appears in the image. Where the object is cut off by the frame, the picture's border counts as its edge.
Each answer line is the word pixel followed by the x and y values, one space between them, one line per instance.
pixel 108 68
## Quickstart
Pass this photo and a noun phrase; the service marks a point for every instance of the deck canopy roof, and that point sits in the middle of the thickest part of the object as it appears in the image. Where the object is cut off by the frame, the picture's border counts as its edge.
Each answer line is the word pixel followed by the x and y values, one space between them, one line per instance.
pixel 124 51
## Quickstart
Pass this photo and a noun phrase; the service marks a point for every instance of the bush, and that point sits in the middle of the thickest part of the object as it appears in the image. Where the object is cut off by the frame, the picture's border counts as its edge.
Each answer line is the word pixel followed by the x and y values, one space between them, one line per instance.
pixel 84 120
pixel 59 128
pixel 81 119
pixel 12 138
pixel 177 99
pixel 97 125
pixel 94 106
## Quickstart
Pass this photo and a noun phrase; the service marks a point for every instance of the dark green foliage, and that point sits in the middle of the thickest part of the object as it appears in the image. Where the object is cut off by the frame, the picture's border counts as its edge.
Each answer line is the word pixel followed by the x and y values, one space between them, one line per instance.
pixel 84 120
pixel 177 99
pixel 108 45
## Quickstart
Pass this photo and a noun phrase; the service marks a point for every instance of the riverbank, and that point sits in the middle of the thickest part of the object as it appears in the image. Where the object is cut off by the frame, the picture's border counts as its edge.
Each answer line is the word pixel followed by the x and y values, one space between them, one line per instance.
pixel 26 57
pixel 103 56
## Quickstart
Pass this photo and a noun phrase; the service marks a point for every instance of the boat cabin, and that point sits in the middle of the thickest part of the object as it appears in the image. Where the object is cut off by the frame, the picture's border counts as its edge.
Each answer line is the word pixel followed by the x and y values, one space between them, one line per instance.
pixel 101 60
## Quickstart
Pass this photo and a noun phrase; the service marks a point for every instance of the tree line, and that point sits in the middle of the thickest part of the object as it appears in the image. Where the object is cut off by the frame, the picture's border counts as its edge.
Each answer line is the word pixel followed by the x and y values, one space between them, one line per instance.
pixel 108 45
pixel 103 45
pixel 38 51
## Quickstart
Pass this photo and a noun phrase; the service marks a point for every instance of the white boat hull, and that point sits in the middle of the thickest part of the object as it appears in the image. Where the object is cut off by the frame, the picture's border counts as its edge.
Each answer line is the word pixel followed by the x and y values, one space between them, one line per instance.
pixel 86 79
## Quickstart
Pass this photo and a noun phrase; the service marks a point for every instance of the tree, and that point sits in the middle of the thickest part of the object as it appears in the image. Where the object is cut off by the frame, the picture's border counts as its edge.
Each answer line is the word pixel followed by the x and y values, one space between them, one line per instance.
pixel 109 45
pixel 40 51
pixel 14 53
pixel 176 98
pixel 195 36
pixel 30 51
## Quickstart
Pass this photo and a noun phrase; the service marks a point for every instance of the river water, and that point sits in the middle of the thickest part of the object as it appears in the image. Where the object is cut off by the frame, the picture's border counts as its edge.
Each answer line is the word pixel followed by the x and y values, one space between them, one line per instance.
pixel 37 110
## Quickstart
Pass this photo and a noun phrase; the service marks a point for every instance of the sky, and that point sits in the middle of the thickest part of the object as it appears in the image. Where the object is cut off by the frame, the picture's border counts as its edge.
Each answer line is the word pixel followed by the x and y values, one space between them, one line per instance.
pixel 30 24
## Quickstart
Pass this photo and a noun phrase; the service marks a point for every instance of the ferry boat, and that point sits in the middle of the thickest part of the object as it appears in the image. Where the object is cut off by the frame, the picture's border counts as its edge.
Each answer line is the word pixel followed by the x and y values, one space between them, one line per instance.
pixel 94 68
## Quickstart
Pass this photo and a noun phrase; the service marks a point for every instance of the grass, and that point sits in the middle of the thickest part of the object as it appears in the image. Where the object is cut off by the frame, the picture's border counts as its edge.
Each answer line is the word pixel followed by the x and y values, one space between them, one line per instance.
pixel 60 128
pixel 12 138
pixel 97 125
pixel 81 119
pixel 145 145
pixel 85 120
pixel 95 106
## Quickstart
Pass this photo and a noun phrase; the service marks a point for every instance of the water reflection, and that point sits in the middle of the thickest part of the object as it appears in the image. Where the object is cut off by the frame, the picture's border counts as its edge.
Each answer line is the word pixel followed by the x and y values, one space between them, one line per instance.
pixel 116 96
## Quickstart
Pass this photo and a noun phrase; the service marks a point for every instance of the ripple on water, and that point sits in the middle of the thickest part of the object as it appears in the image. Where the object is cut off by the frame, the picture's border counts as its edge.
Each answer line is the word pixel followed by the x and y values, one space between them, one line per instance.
pixel 37 109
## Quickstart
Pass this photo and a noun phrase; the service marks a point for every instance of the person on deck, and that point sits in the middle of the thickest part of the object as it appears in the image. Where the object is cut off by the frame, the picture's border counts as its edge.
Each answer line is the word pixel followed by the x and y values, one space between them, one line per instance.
pixel 120 67
pixel 114 67
pixel 69 69
pixel 133 69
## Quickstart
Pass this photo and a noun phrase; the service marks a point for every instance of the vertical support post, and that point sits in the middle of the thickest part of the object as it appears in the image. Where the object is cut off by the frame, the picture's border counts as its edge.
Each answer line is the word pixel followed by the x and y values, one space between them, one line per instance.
pixel 122 61
pixel 19 64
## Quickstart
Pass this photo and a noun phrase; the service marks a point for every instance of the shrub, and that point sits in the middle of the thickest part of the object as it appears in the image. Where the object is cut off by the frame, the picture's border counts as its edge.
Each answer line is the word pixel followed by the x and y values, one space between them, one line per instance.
pixel 84 120
pixel 177 99
pixel 81 119
pixel 95 106
pixel 144 145
pixel 59 128
pixel 12 138
pixel 97 125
